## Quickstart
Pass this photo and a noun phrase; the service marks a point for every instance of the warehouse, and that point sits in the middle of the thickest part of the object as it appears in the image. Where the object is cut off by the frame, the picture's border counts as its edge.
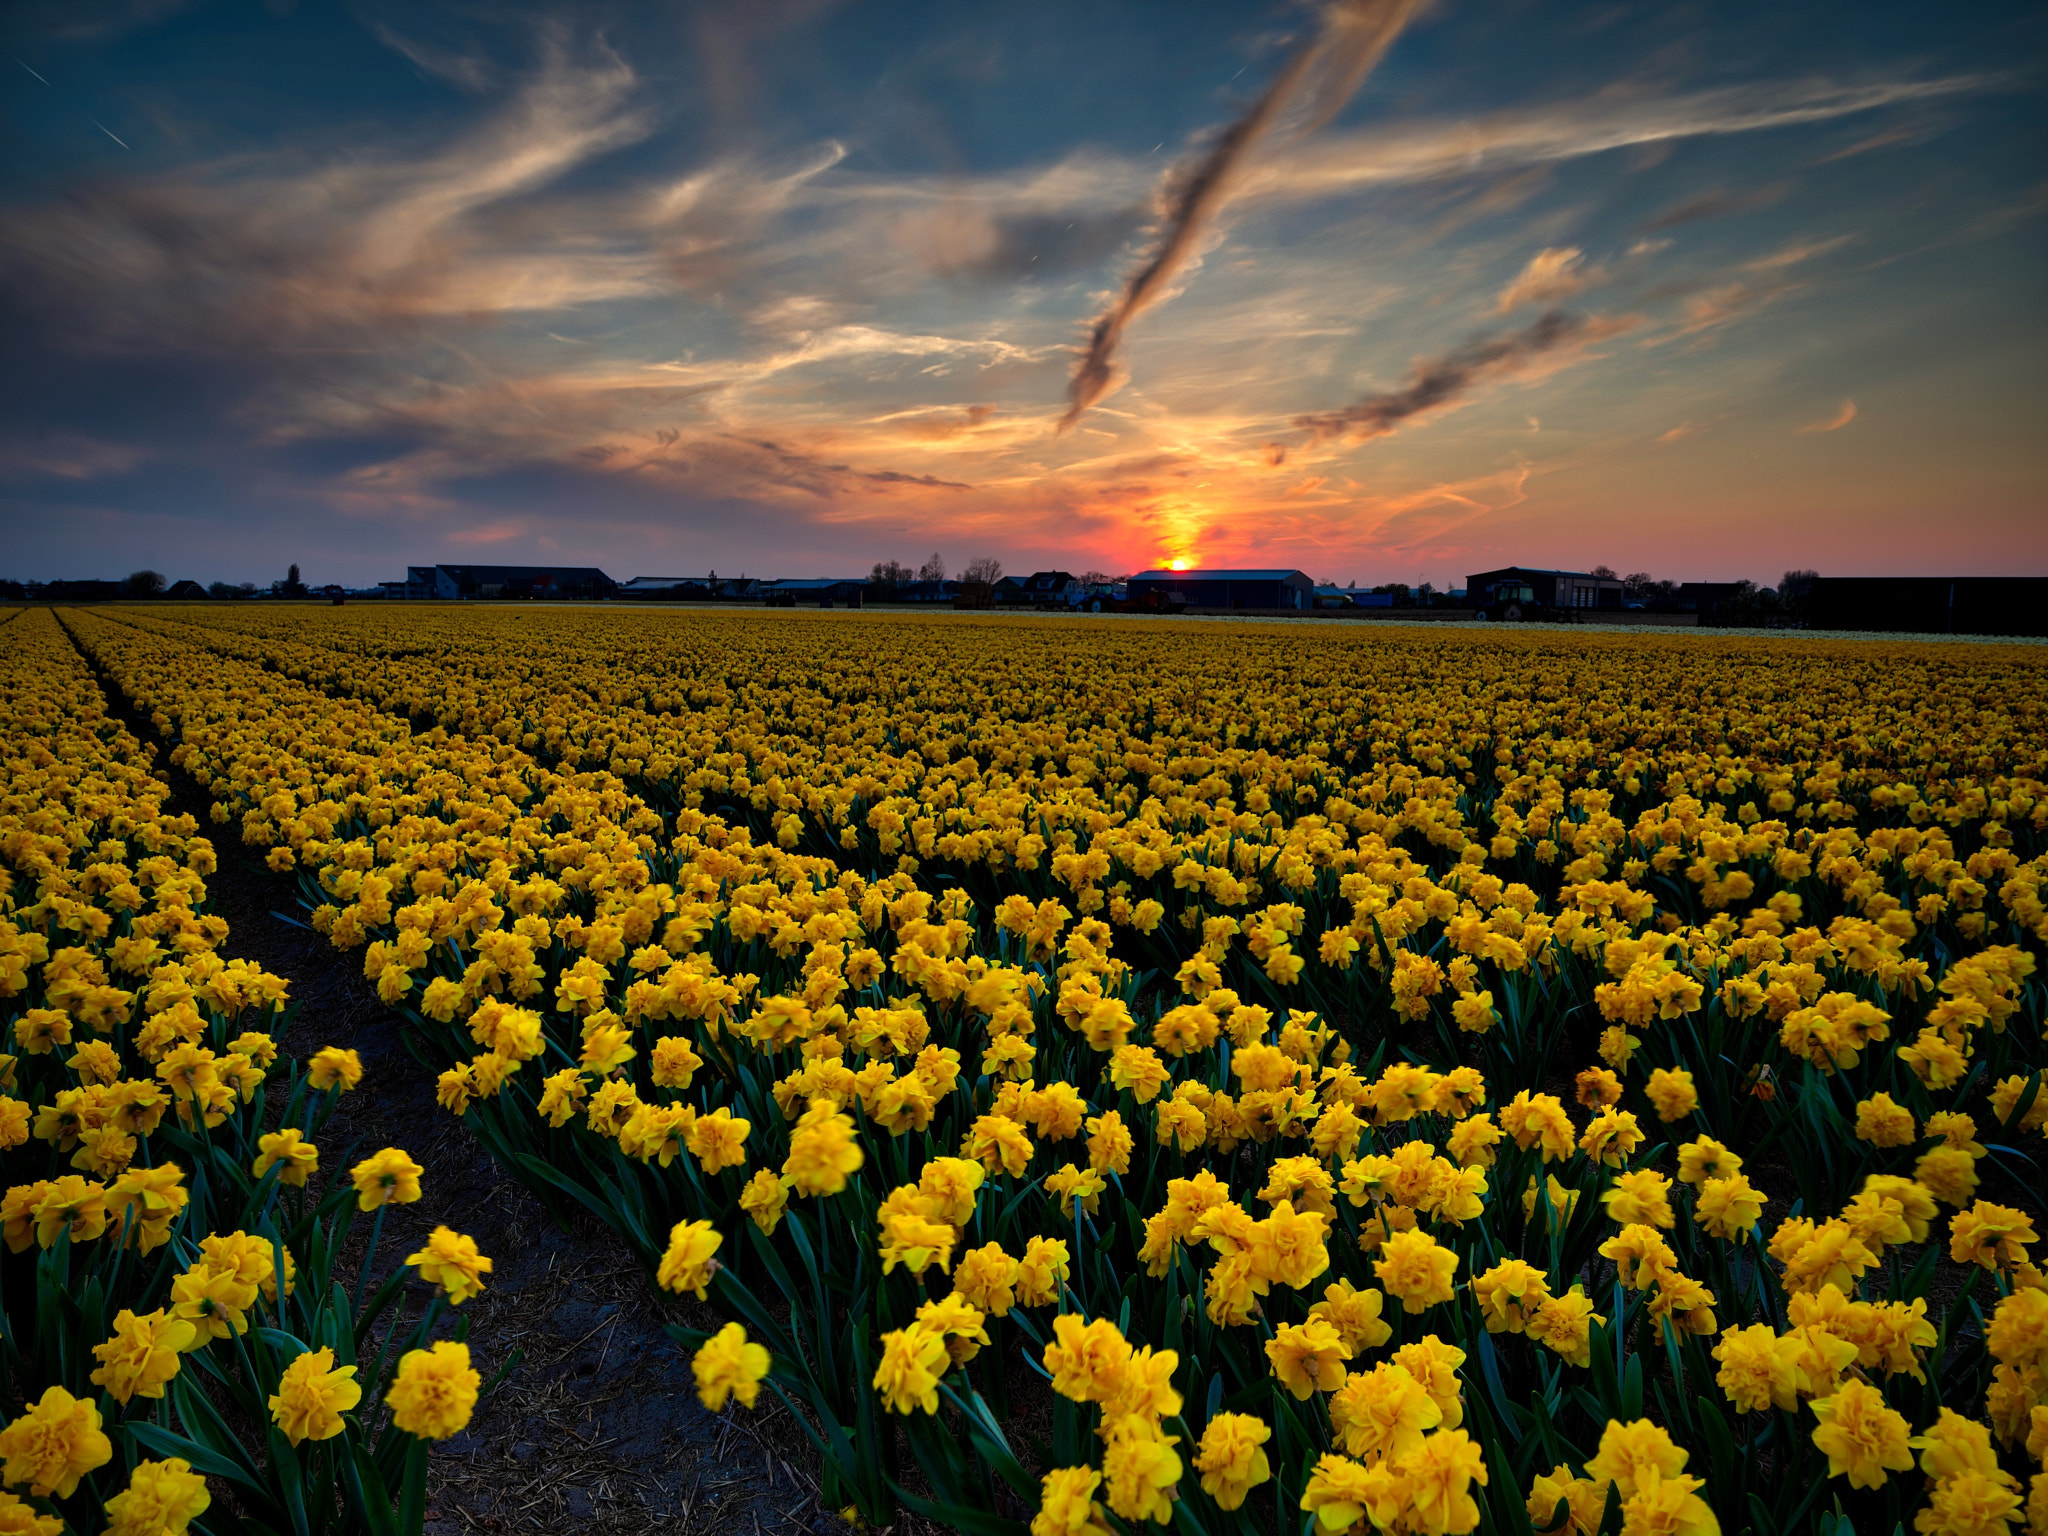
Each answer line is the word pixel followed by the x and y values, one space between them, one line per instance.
pixel 1273 589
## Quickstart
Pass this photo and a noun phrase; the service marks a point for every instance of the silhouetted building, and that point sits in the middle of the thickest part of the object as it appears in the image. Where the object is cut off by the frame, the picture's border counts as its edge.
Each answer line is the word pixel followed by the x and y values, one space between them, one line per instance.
pixel 1225 589
pixel 1552 589
pixel 451 582
pixel 185 591
pixel 1940 605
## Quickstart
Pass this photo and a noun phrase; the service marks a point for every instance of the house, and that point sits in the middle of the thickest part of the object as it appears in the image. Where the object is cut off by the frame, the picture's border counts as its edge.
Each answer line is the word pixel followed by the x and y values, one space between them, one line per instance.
pixel 185 591
pixel 925 592
pixel 1552 589
pixel 1274 589
pixel 1332 597
pixel 1050 588
pixel 453 582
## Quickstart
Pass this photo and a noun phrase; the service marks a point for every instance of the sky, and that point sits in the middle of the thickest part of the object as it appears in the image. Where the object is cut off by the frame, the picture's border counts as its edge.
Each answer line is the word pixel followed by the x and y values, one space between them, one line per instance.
pixel 1381 291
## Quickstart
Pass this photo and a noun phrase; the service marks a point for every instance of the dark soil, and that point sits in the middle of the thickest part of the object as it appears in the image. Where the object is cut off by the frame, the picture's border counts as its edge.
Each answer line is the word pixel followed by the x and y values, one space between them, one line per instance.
pixel 597 1427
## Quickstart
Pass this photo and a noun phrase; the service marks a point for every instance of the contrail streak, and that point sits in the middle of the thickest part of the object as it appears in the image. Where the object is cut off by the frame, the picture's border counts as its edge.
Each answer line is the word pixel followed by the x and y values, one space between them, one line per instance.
pixel 103 128
pixel 1324 73
pixel 1436 383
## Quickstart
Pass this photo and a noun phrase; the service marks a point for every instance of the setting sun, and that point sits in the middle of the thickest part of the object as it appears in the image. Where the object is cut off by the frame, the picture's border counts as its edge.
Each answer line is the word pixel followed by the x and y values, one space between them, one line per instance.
pixel 1177 565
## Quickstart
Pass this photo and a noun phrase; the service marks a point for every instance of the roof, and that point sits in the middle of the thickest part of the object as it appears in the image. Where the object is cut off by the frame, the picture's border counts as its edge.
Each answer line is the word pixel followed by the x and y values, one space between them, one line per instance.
pixel 527 572
pixel 816 583
pixel 1539 570
pixel 1209 574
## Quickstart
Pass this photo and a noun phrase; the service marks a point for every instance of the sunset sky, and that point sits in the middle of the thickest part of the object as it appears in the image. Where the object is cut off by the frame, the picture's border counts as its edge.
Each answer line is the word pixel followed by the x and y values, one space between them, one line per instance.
pixel 789 286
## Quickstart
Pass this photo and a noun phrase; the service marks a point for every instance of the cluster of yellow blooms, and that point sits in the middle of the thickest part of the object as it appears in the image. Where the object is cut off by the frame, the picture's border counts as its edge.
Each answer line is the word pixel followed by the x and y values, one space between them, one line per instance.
pixel 1260 961
pixel 139 1059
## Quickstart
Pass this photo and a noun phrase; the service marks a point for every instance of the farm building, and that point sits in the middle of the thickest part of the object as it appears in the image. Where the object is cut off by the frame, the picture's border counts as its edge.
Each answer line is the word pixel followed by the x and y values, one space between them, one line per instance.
pixel 1552 589
pixel 1226 589
pixel 1940 605
pixel 450 582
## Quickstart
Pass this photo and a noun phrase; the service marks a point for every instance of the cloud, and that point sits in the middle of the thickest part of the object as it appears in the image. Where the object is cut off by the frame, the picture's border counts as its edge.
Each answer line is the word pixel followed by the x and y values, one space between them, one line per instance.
pixel 1726 303
pixel 1441 383
pixel 1316 81
pixel 466 71
pixel 1426 151
pixel 1714 205
pixel 1834 423
pixel 1551 276
pixel 1679 433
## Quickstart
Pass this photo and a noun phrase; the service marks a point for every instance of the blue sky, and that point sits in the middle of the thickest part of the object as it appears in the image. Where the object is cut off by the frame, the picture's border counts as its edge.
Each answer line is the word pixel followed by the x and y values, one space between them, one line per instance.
pixel 1706 290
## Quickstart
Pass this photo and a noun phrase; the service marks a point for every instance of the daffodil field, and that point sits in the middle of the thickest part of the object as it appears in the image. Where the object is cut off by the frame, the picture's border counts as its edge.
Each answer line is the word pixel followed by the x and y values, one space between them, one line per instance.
pixel 174 1326
pixel 1111 1075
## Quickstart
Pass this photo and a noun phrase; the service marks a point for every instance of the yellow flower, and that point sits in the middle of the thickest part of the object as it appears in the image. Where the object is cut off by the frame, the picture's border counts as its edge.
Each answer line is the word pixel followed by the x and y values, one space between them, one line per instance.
pixel 1862 1437
pixel 435 1391
pixel 1341 1494
pixel 1672 1094
pixel 908 1375
pixel 764 1200
pixel 1759 1369
pixel 1883 1123
pixel 332 1067
pixel 727 1366
pixel 1086 1360
pixel 688 1264
pixel 312 1395
pixel 1437 1479
pixel 1382 1414
pixel 301 1159
pixel 1509 1294
pixel 1639 1198
pixel 1041 1271
pixel 823 1153
pixel 1416 1269
pixel 718 1140
pixel 986 1277
pixel 1139 1468
pixel 1307 1357
pixel 54 1444
pixel 142 1354
pixel 1066 1504
pixel 162 1498
pixel 451 1262
pixel 388 1175
pixel 1635 1455
pixel 1729 1208
pixel 1231 1459
pixel 19 1519
pixel 1564 1325
pixel 1995 1236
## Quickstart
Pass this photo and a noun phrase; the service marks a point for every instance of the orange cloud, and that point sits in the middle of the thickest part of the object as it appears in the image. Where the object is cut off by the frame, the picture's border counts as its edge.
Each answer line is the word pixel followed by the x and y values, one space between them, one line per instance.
pixel 1834 423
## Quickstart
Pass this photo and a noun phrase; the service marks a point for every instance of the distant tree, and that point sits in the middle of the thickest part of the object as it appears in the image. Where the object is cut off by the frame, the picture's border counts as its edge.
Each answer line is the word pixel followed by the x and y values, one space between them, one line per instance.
pixel 890 573
pixel 1637 584
pixel 291 577
pixel 985 569
pixel 146 583
pixel 1604 572
pixel 1095 578
pixel 221 589
pixel 1797 583
pixel 934 567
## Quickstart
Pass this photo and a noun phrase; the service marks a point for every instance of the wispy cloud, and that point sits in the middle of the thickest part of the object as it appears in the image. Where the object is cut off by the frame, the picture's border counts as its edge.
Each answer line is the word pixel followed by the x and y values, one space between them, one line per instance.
pixel 1441 383
pixel 1550 277
pixel 1833 423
